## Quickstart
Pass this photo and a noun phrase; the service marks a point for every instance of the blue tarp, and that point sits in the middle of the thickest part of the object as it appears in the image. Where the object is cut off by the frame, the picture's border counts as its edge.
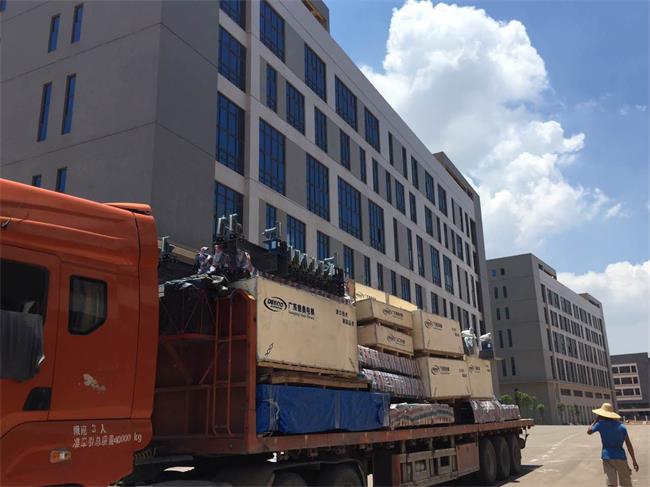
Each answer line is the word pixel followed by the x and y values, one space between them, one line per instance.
pixel 298 410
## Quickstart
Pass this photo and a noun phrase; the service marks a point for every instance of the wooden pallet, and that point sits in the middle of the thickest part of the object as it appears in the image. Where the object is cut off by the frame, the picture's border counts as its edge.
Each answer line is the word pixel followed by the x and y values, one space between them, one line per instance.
pixel 327 381
pixel 426 353
pixel 390 351
pixel 268 367
pixel 392 326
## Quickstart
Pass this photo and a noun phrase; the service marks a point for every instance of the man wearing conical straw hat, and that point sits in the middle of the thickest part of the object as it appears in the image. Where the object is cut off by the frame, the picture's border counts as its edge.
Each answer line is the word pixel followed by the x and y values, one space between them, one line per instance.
pixel 612 434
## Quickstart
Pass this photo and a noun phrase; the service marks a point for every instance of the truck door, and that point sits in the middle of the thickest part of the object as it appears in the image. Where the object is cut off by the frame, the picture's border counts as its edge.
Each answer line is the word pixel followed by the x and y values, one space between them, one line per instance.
pixel 28 330
pixel 97 343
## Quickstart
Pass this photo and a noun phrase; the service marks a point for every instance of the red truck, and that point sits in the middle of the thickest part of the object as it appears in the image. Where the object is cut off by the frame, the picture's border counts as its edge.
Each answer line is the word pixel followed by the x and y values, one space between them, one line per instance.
pixel 92 393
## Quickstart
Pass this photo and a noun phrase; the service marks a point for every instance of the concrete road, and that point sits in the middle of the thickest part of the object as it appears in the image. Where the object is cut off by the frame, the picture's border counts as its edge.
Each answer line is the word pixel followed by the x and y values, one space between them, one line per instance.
pixel 564 456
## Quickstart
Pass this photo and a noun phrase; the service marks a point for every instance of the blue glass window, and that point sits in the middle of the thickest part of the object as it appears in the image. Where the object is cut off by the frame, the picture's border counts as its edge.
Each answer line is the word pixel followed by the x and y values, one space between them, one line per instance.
pixel 418 296
pixel 227 201
pixel 396 239
pixel 271 170
pixel 318 192
pixel 449 276
pixel 435 267
pixel 345 149
pixel 236 10
pixel 380 276
pixel 271 216
pixel 315 73
pixel 232 59
pixel 44 116
pixel 295 233
pixel 68 104
pixel 393 283
pixel 413 208
pixel 295 108
pixel 435 309
pixel 391 158
pixel 61 179
pixel 428 186
pixel 54 33
pixel 389 188
pixel 420 250
pixel 348 262
pixel 428 220
pixel 77 18
pixel 459 247
pixel 230 134
pixel 349 209
pixel 372 129
pixel 323 246
pixel 346 103
pixel 362 165
pixel 400 203
pixel 377 234
pixel 438 233
pixel 414 173
pixel 375 176
pixel 405 169
pixel 272 29
pixel 320 124
pixel 406 288
pixel 37 180
pixel 366 270
pixel 409 247
pixel 271 88
pixel 442 200
pixel 3 5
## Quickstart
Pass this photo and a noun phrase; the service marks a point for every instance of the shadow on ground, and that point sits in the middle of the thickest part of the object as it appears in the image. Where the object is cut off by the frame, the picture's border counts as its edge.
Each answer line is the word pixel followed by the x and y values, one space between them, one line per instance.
pixel 513 479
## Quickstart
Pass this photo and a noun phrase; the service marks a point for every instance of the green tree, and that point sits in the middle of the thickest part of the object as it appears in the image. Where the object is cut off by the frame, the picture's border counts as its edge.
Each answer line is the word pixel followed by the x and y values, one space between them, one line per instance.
pixel 506 399
pixel 561 409
pixel 540 410
pixel 524 401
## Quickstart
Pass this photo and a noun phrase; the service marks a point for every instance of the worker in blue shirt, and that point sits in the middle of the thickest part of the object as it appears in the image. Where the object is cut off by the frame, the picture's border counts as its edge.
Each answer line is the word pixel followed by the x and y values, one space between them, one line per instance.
pixel 612 434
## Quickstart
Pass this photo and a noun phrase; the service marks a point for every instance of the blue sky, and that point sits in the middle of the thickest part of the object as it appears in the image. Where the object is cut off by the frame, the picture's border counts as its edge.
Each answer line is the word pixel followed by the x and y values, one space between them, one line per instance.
pixel 596 59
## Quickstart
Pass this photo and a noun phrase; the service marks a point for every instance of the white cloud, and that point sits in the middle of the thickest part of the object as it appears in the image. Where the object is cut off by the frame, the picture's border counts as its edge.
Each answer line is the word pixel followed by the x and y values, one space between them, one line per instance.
pixel 468 85
pixel 624 290
pixel 624 110
pixel 641 108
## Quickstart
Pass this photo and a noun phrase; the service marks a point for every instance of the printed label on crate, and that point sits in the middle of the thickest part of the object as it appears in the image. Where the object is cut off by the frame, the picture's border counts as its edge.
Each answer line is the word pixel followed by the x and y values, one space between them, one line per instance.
pixel 392 313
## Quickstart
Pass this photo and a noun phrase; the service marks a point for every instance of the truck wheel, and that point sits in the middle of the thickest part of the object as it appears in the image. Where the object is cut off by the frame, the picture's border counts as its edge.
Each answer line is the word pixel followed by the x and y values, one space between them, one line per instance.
pixel 487 461
pixel 288 479
pixel 515 453
pixel 339 475
pixel 503 457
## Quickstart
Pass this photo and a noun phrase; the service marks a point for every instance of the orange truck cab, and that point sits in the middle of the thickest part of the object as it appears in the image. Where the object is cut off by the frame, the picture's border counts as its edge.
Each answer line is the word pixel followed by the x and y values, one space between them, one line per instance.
pixel 78 328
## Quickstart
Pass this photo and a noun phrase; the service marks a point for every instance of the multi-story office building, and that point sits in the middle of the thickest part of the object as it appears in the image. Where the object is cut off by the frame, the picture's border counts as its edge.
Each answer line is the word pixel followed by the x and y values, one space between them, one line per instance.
pixel 551 341
pixel 205 108
pixel 631 375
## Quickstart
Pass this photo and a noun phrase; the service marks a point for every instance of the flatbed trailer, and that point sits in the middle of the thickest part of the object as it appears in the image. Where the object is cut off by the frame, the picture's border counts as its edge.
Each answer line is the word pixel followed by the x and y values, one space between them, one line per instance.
pixel 94 394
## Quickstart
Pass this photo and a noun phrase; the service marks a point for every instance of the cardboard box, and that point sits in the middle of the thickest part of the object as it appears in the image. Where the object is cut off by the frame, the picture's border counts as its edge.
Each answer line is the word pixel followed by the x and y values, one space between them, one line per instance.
pixel 436 335
pixel 362 292
pixel 300 329
pixel 480 377
pixel 444 378
pixel 373 310
pixel 377 335
pixel 400 303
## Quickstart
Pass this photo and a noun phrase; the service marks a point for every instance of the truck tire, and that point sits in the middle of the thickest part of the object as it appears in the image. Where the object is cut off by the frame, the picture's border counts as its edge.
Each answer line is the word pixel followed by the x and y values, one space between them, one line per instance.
pixel 339 475
pixel 288 479
pixel 515 453
pixel 503 457
pixel 487 475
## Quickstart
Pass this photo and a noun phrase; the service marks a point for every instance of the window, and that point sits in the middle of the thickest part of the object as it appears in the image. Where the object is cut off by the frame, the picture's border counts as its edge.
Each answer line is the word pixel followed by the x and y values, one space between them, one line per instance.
pixel 393 283
pixel 406 288
pixel 435 267
pixel 366 270
pixel 500 339
pixel 295 108
pixel 23 289
pixel 323 246
pixel 236 10
pixel 77 18
pixel 3 5
pixel 434 304
pixel 442 200
pixel 428 186
pixel 496 292
pixel 346 103
pixel 320 129
pixel 362 165
pixel 498 311
pixel 418 297
pixel 505 292
pixel 399 197
pixel 88 305
pixel 61 179
pixel 315 73
pixel 391 158
pixel 230 134
pixel 509 331
pixel 375 176
pixel 271 170
pixel 377 235
pixel 504 370
pixel 438 233
pixel 272 29
pixel 295 233
pixel 271 216
pixel 414 173
pixel 389 188
pixel 348 262
pixel 45 112
pixel 349 209
pixel 271 88
pixel 512 366
pixel 428 220
pixel 396 239
pixel 54 33
pixel 227 202
pixel 409 246
pixel 372 129
pixel 503 271
pixel 232 59
pixel 459 247
pixel 318 192
pixel 37 180
pixel 413 208
pixel 380 276
pixel 507 311
pixel 419 248
pixel 345 149
pixel 449 277
pixel 405 169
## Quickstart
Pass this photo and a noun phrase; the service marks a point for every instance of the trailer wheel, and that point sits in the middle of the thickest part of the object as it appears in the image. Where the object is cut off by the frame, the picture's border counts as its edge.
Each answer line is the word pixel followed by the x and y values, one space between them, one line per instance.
pixel 487 461
pixel 339 475
pixel 288 479
pixel 503 457
pixel 515 453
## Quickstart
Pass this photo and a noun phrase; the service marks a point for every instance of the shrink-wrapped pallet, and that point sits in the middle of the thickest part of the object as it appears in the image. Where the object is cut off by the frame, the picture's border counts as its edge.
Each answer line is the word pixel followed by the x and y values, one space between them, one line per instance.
pixel 509 412
pixel 406 415
pixel 374 359
pixel 394 384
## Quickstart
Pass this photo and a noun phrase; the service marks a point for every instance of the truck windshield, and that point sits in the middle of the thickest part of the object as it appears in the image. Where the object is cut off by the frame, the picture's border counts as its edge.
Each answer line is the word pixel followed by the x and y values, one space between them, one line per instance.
pixel 23 301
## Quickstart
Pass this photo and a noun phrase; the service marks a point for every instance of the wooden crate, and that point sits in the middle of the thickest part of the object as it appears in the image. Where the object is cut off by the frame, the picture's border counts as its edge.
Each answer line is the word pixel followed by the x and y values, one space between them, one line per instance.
pixel 362 292
pixel 435 335
pixel 400 303
pixel 299 330
pixel 444 378
pixel 480 377
pixel 384 338
pixel 371 310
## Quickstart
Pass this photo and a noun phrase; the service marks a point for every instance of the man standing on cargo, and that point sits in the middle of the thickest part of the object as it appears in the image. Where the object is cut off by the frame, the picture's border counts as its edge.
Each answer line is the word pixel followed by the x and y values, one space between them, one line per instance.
pixel 612 434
